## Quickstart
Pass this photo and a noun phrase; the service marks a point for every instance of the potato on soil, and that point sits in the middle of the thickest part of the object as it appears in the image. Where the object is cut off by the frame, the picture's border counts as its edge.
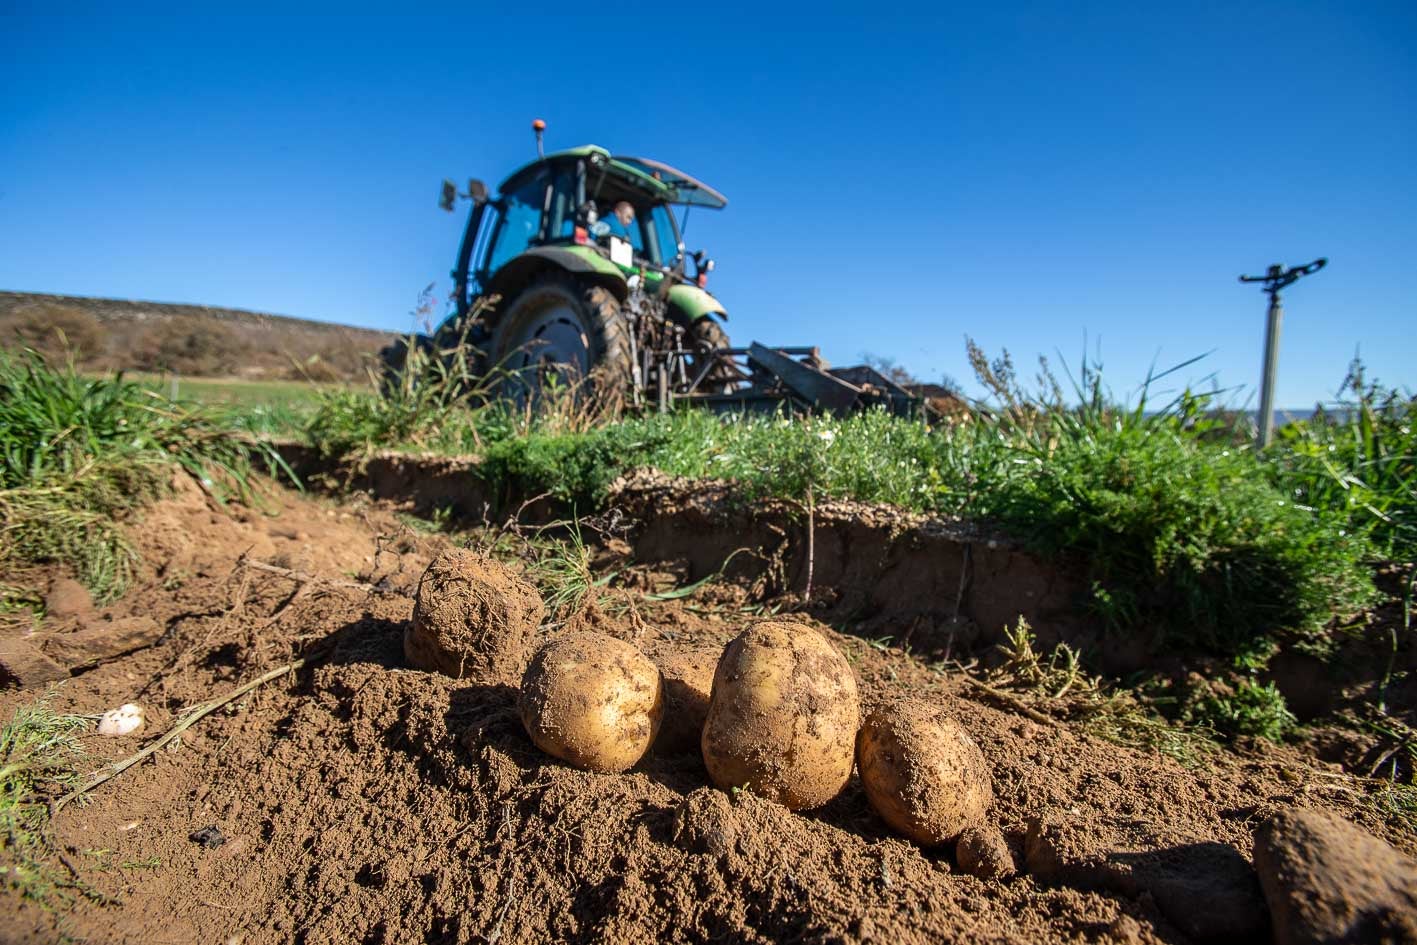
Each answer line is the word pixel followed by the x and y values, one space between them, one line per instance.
pixel 473 619
pixel 688 684
pixel 592 700
pixel 783 716
pixel 922 772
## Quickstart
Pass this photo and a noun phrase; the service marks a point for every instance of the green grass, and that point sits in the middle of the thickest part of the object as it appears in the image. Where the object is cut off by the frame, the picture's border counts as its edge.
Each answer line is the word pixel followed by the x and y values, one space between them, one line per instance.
pixel 1177 530
pixel 237 391
pixel 77 454
pixel 39 756
pixel 1358 456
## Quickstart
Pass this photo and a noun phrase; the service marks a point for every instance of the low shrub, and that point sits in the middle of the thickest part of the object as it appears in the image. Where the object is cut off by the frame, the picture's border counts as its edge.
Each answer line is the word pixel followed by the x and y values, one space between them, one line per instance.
pixel 57 332
pixel 186 344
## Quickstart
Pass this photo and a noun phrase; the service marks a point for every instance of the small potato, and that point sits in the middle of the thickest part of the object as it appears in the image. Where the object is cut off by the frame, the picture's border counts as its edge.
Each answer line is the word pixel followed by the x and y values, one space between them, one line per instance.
pixel 592 700
pixel 922 772
pixel 783 716
pixel 688 684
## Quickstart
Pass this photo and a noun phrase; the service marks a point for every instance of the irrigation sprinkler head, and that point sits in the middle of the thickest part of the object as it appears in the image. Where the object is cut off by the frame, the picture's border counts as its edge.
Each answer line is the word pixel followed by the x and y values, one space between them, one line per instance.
pixel 1277 277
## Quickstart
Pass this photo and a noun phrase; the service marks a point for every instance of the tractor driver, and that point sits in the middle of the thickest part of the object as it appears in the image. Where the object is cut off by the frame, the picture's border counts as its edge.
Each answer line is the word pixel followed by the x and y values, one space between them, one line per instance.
pixel 620 223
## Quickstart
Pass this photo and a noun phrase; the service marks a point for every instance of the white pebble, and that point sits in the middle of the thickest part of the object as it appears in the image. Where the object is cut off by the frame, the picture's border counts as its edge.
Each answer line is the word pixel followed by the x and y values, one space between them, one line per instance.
pixel 123 720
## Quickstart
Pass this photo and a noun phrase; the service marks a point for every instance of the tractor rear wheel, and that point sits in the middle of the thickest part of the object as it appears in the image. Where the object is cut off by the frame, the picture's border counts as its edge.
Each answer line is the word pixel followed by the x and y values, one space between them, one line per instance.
pixel 707 335
pixel 560 332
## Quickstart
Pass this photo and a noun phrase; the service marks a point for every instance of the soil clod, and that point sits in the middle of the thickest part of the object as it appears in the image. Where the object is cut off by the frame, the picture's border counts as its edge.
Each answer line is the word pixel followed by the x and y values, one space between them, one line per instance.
pixel 208 838
pixel 983 852
pixel 704 823
pixel 67 598
pixel 473 619
pixel 1327 881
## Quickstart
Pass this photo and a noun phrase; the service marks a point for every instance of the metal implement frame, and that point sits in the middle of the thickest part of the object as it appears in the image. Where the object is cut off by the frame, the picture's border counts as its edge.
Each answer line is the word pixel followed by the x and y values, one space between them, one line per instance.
pixel 767 379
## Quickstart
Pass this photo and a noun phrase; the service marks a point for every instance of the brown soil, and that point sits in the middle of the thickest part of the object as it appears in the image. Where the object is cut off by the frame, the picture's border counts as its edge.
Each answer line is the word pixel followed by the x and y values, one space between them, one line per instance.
pixel 362 800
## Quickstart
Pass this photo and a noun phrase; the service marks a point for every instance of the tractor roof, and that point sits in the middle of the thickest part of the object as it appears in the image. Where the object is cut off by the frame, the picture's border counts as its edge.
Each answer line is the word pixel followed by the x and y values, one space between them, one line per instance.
pixel 665 182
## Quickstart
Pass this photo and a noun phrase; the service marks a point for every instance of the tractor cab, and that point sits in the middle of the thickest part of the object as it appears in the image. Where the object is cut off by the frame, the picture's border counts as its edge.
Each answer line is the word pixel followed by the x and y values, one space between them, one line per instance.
pixel 567 202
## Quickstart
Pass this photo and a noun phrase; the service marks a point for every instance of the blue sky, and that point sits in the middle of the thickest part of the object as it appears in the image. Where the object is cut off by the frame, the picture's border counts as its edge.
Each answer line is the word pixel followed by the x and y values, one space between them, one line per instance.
pixel 1032 175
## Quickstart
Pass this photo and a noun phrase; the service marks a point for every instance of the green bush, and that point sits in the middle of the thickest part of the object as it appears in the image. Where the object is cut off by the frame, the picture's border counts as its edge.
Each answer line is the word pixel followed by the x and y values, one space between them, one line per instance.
pixel 1177 532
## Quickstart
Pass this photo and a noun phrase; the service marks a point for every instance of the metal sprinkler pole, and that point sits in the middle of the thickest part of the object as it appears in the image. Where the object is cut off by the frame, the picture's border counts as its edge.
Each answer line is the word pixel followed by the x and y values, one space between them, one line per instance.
pixel 1275 279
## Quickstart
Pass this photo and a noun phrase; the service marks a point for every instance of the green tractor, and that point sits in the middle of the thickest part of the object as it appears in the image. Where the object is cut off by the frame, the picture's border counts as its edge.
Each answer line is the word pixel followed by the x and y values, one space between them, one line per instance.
pixel 575 272
pixel 582 253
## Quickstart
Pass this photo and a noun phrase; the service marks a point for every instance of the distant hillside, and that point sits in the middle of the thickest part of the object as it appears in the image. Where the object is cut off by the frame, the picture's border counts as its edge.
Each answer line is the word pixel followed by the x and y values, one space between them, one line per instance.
pixel 194 340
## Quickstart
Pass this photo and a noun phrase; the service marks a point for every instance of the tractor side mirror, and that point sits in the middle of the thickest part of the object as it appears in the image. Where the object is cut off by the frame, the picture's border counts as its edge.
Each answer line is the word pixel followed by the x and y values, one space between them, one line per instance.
pixel 449 194
pixel 702 267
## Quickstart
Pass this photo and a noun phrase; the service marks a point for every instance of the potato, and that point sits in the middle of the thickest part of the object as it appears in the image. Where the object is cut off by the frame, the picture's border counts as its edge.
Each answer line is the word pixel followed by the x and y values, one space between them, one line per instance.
pixel 688 683
pixel 922 772
pixel 592 700
pixel 783 716
pixel 473 619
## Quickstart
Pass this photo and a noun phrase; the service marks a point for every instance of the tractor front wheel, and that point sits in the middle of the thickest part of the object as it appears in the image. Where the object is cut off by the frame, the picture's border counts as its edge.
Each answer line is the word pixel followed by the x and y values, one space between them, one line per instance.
pixel 563 334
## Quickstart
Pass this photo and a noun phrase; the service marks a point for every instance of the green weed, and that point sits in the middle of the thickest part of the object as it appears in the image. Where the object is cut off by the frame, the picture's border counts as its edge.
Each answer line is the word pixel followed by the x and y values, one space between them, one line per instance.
pixel 1251 709
pixel 1359 456
pixel 1174 528
pixel 561 572
pixel 425 403
pixel 1114 714
pixel 78 453
pixel 39 755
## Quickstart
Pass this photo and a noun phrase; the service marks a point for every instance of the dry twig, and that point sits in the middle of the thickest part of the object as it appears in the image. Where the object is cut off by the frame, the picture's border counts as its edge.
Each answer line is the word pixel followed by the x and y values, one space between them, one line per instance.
pixel 1013 702
pixel 301 576
pixel 201 711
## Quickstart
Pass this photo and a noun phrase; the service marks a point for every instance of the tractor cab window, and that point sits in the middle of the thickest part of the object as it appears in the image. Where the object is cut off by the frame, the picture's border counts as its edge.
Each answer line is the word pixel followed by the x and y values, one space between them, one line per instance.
pixel 562 222
pixel 520 222
pixel 663 237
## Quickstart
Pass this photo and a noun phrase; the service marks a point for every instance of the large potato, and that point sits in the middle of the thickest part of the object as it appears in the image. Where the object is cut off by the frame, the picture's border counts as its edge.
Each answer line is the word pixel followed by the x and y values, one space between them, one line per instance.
pixel 783 716
pixel 592 700
pixel 473 619
pixel 922 772
pixel 688 684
